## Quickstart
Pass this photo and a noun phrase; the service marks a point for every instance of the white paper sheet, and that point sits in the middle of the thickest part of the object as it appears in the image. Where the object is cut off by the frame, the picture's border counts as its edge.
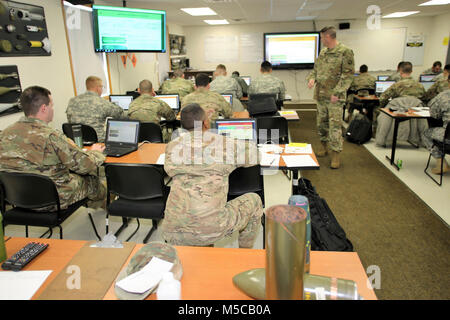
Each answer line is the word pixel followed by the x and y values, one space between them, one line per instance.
pixel 423 113
pixel 269 160
pixel 299 161
pixel 307 149
pixel 21 285
pixel 147 278
pixel 161 159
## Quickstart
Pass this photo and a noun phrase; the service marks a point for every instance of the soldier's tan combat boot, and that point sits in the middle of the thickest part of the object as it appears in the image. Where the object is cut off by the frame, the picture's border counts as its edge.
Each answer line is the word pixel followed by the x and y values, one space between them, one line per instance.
pixel 322 150
pixel 437 169
pixel 335 161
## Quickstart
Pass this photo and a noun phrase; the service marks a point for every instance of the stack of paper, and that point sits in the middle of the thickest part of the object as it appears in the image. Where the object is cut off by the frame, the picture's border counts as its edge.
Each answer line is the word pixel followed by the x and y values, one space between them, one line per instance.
pixel 298 148
pixel 299 161
pixel 147 278
pixel 161 159
pixel 21 285
pixel 269 160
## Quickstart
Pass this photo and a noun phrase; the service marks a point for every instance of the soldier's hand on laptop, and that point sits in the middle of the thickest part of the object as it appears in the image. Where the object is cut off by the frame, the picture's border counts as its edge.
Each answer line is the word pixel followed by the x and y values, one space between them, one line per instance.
pixel 334 99
pixel 98 147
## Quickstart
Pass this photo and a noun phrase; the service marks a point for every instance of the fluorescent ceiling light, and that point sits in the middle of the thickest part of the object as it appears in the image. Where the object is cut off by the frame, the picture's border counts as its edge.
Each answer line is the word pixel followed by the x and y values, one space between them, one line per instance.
pixel 199 11
pixel 303 18
pixel 401 14
pixel 216 21
pixel 435 3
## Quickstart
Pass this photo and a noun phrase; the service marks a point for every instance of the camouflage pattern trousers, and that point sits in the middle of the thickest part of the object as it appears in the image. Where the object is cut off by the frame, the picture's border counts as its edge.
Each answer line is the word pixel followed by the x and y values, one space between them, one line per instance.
pixel 242 214
pixel 329 123
pixel 91 187
pixel 433 134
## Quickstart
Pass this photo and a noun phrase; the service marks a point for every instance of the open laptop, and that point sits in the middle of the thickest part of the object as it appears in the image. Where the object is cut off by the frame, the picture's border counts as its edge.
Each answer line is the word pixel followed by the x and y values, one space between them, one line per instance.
pixel 427 84
pixel 247 79
pixel 121 100
pixel 427 77
pixel 382 78
pixel 173 100
pixel 121 137
pixel 382 86
pixel 241 129
pixel 228 97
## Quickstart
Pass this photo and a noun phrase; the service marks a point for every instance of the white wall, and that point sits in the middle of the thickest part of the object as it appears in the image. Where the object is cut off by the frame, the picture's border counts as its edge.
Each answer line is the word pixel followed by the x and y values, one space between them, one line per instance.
pixel 433 29
pixel 52 72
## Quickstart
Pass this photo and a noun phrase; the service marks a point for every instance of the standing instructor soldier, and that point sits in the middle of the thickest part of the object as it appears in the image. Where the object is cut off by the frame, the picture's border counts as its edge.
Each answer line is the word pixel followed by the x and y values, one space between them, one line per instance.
pixel 332 75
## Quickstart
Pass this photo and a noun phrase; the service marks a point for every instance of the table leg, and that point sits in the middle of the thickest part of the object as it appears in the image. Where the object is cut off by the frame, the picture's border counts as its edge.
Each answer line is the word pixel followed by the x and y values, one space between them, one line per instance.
pixel 294 182
pixel 394 144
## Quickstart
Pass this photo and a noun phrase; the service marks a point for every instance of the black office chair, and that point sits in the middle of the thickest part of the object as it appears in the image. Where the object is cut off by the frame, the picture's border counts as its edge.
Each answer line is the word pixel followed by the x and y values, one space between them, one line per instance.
pixel 88 133
pixel 262 105
pixel 445 149
pixel 135 94
pixel 244 180
pixel 151 132
pixel 269 124
pixel 255 96
pixel 141 194
pixel 27 191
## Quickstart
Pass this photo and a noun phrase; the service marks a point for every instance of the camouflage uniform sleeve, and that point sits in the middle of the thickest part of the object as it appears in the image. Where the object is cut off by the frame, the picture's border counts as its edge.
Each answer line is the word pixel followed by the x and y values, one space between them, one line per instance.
pixel 435 108
pixel 74 158
pixel 385 96
pixel 166 111
pixel 238 89
pixel 114 111
pixel 312 75
pixel 432 92
pixel 227 111
pixel 282 91
pixel 347 73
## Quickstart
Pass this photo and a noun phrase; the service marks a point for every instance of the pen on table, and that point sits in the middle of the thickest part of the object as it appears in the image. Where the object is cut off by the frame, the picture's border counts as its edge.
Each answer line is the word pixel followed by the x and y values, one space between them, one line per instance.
pixel 7 239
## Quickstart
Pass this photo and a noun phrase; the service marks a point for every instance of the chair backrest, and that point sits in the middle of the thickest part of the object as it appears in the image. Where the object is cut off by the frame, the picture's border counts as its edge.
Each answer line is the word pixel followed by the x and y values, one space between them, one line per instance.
pixel 27 190
pixel 135 181
pixel 89 134
pixel 270 123
pixel 244 180
pixel 150 132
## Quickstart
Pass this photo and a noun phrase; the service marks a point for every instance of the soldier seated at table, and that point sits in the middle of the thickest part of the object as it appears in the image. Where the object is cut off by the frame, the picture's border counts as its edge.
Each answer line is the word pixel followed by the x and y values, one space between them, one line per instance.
pixel 267 83
pixel 200 162
pixel 363 81
pixel 177 84
pixel 439 109
pixel 225 85
pixel 30 145
pixel 147 108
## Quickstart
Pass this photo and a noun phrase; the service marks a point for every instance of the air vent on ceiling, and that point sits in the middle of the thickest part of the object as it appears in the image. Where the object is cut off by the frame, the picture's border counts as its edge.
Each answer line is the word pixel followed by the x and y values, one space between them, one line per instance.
pixel 218 1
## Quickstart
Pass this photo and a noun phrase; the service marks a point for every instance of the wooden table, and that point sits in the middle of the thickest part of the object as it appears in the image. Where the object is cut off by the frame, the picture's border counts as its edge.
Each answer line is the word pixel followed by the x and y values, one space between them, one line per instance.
pixel 399 117
pixel 207 272
pixel 368 102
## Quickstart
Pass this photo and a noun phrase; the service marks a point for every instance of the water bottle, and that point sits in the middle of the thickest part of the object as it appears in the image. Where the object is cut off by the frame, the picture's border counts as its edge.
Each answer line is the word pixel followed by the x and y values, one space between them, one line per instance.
pixel 169 288
pixel 77 135
pixel 2 242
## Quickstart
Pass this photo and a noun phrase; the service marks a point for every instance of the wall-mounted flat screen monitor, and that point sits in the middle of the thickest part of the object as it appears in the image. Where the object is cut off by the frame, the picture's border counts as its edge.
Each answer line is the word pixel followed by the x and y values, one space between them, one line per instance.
pixel 294 50
pixel 123 29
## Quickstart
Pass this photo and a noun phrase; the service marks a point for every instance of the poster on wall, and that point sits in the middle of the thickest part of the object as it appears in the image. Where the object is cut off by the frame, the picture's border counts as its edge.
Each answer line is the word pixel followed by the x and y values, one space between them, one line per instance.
pixel 23 30
pixel 177 45
pixel 415 49
pixel 10 90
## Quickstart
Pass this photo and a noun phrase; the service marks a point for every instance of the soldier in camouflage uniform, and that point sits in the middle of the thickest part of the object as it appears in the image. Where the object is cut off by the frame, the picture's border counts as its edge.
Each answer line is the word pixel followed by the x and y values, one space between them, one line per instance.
pixel 208 100
pixel 405 87
pixel 223 85
pixel 396 76
pixel 241 82
pixel 91 109
pixel 363 81
pixel 444 74
pixel 435 69
pixel 439 109
pixel 267 83
pixel 438 87
pixel 333 74
pixel 177 85
pixel 199 162
pixel 31 146
pixel 147 108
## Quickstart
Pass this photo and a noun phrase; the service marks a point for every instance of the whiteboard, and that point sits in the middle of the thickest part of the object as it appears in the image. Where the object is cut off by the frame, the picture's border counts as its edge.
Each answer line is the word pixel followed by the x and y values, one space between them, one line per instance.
pixel 379 49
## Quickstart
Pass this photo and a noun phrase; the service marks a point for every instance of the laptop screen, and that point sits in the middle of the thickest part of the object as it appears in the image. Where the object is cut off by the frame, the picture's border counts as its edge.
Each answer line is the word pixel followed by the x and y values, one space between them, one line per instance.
pixel 247 79
pixel 122 131
pixel 122 101
pixel 427 77
pixel 382 78
pixel 173 100
pixel 228 97
pixel 427 84
pixel 242 129
pixel 382 86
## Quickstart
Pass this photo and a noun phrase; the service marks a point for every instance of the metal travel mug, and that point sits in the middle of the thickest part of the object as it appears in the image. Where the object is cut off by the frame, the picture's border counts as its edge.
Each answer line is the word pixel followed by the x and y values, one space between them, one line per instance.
pixel 285 252
pixel 2 242
pixel 77 135
pixel 302 202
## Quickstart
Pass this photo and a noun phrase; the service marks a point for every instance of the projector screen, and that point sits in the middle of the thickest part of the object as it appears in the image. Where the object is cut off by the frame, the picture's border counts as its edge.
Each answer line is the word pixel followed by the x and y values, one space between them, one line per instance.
pixel 122 29
pixel 294 50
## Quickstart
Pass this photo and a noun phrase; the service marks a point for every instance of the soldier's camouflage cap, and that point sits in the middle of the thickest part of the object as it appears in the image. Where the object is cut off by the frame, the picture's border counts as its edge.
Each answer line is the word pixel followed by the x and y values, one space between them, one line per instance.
pixel 158 249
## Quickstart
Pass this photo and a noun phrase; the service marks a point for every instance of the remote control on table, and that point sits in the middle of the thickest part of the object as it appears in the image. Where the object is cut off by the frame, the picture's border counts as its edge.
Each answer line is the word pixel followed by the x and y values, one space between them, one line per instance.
pixel 21 258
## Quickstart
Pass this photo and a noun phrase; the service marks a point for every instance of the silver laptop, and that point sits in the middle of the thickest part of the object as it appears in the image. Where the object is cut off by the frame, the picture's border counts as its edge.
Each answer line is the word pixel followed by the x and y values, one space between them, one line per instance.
pixel 121 100
pixel 173 100
pixel 121 137
pixel 382 86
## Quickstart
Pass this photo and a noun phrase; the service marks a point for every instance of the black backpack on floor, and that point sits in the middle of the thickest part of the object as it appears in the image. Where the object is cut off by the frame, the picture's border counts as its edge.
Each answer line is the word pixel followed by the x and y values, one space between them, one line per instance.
pixel 359 130
pixel 326 233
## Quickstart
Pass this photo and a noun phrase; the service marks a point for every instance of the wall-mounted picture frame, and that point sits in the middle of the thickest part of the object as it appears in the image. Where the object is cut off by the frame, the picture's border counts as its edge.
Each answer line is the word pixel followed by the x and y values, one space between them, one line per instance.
pixel 10 90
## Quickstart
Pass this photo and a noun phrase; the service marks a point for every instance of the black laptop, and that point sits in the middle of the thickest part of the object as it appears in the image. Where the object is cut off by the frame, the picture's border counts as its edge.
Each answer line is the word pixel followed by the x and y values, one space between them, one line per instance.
pixel 121 137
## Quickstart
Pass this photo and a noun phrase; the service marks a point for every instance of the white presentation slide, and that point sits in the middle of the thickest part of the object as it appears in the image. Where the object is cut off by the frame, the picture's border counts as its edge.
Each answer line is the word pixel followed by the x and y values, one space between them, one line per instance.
pixel 292 48
pixel 122 131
